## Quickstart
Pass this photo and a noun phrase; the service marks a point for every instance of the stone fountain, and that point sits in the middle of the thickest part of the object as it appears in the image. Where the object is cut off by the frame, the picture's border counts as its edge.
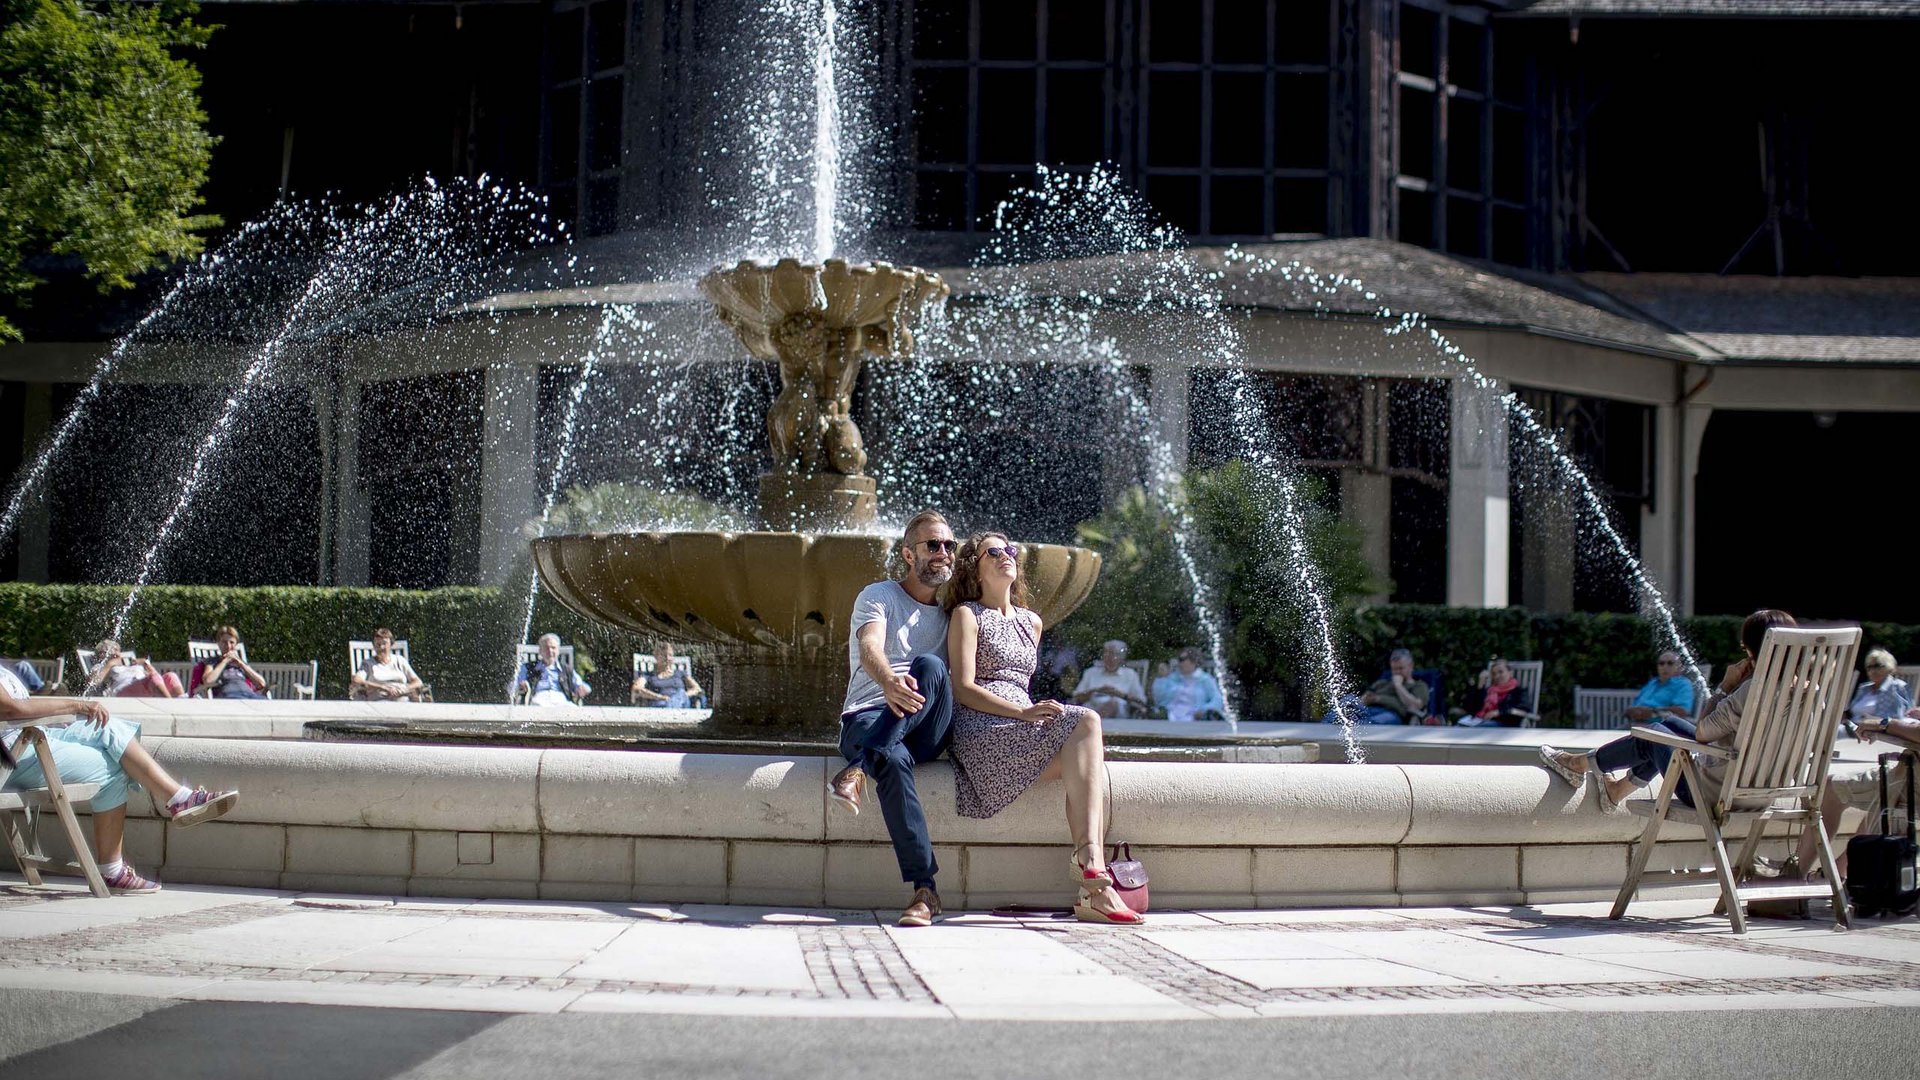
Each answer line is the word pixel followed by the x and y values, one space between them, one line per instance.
pixel 773 608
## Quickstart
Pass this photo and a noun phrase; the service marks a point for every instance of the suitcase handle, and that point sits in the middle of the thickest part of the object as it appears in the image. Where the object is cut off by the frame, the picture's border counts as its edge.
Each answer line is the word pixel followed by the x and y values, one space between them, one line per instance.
pixel 1886 807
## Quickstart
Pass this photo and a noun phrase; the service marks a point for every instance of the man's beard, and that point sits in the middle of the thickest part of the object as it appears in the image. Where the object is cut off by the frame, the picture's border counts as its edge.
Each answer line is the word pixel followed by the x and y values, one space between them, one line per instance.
pixel 933 576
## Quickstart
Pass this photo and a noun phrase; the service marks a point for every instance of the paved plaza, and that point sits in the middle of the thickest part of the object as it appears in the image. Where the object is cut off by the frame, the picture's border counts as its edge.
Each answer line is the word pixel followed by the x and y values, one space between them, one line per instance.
pixel 451 969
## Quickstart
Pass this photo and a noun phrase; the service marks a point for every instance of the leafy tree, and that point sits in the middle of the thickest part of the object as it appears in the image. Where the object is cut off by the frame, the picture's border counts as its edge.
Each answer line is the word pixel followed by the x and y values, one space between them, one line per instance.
pixel 1144 596
pixel 103 144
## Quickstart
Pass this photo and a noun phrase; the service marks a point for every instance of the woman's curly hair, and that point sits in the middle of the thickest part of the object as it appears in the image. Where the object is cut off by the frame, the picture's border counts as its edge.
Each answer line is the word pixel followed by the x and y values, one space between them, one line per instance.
pixel 965 585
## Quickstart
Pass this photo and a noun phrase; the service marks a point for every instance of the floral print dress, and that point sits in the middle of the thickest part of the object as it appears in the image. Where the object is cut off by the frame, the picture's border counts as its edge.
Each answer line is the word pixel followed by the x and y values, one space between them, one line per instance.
pixel 998 757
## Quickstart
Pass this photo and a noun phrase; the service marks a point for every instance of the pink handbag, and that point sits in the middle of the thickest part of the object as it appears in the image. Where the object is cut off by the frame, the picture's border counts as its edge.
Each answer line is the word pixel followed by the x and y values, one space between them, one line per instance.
pixel 1129 876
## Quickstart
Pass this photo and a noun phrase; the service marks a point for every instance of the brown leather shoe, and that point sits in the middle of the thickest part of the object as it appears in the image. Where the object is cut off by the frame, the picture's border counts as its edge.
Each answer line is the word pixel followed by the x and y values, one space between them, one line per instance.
pixel 844 788
pixel 924 909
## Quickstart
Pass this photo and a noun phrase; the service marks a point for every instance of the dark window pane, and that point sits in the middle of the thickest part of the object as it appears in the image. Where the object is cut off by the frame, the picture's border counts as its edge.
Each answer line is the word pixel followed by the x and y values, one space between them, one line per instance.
pixel 1173 31
pixel 609 27
pixel 603 205
pixel 1008 30
pixel 1299 206
pixel 1465 234
pixel 1177 200
pixel 564 159
pixel 1239 206
pixel 1300 35
pixel 940 29
pixel 1239 32
pixel 1510 236
pixel 1300 121
pixel 993 189
pixel 1419 30
pixel 563 43
pixel 1510 154
pixel 940 115
pixel 1173 118
pixel 1006 117
pixel 1509 69
pixel 940 201
pixel 1464 143
pixel 563 204
pixel 603 123
pixel 1467 55
pixel 1239 120
pixel 1416 218
pixel 1416 133
pixel 1076 117
pixel 1077 29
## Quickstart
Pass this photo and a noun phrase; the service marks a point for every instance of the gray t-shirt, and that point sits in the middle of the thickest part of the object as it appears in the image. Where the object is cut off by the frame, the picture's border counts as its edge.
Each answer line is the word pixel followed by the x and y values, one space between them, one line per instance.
pixel 912 629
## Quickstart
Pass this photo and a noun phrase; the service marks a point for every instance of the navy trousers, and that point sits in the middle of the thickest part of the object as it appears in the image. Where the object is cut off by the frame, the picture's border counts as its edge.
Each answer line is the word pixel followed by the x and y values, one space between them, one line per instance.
pixel 1647 759
pixel 888 746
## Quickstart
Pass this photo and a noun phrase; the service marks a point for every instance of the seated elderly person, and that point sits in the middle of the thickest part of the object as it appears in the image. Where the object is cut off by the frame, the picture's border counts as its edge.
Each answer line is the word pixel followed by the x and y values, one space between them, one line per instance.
pixel 1881 694
pixel 386 675
pixel 1188 693
pixel 665 686
pixel 102 750
pixel 1669 693
pixel 1110 688
pixel 547 679
pixel 1396 699
pixel 1497 698
pixel 1643 760
pixel 119 674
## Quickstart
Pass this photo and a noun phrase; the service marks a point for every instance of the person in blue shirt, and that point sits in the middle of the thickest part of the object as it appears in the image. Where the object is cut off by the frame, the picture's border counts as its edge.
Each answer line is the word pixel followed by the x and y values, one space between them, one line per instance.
pixel 1187 693
pixel 1670 693
pixel 1882 694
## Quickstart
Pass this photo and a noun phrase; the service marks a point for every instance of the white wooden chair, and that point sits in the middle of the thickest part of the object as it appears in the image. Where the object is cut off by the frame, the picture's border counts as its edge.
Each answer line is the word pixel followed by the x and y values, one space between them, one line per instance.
pixel 643 663
pixel 1777 770
pixel 17 810
pixel 53 673
pixel 1529 673
pixel 523 653
pixel 1601 710
pixel 285 682
pixel 359 652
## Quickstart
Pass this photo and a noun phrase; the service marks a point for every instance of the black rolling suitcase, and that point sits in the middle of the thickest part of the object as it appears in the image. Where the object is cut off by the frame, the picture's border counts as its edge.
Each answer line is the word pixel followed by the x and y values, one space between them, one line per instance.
pixel 1881 869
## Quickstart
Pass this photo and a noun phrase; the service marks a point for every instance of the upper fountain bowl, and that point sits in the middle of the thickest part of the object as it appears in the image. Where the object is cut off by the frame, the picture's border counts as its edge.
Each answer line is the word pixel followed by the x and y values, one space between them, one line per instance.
pixel 755 298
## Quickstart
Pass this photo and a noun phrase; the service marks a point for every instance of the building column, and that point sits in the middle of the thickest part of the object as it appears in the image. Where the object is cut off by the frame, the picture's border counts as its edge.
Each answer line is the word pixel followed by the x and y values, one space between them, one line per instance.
pixel 1477 505
pixel 351 529
pixel 1548 544
pixel 1659 523
pixel 509 484
pixel 33 533
pixel 1693 432
pixel 1366 490
pixel 1167 397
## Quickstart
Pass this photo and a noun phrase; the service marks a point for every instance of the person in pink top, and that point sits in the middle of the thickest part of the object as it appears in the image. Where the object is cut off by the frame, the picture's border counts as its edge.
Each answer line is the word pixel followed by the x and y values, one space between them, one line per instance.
pixel 120 674
pixel 1498 700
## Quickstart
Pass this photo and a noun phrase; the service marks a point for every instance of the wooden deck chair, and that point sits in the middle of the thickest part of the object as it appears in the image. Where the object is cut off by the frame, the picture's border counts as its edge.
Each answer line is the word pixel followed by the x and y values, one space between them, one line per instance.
pixel 524 653
pixel 359 652
pixel 17 810
pixel 1601 710
pixel 1777 769
pixel 52 673
pixel 1529 674
pixel 643 663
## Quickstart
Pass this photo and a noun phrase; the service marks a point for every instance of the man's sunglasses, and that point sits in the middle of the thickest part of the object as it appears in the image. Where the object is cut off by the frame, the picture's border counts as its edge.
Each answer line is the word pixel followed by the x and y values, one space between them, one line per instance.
pixel 948 546
pixel 1011 551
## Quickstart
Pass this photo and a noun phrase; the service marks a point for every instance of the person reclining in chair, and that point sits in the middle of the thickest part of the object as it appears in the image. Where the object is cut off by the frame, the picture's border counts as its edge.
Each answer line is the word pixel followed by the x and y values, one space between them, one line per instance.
pixel 102 750
pixel 1644 760
pixel 550 680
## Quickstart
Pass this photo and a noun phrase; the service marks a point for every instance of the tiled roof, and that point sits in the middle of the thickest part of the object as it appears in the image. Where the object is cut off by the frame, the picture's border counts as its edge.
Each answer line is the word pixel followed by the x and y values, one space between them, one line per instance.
pixel 1767 319
pixel 1753 9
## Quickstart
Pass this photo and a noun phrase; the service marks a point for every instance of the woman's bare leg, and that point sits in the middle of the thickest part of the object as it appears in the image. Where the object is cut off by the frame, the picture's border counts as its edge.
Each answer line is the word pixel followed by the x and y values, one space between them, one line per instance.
pixel 1082 764
pixel 109 829
pixel 147 772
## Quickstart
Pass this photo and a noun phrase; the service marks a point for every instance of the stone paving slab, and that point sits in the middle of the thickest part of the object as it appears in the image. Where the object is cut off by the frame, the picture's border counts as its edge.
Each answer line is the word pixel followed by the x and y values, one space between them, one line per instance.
pixel 231 944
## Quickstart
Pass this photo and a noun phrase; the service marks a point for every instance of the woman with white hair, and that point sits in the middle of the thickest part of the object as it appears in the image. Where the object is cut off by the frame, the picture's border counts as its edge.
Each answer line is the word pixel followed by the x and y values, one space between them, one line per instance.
pixel 1111 688
pixel 1882 694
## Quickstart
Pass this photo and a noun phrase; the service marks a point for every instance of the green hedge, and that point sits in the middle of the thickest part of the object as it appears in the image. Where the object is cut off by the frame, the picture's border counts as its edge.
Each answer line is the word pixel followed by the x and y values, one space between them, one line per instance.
pixel 460 638
pixel 1597 650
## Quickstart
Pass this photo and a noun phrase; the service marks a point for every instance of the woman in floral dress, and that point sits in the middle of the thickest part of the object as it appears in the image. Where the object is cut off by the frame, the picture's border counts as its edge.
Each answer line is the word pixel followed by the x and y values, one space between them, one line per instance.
pixel 1003 740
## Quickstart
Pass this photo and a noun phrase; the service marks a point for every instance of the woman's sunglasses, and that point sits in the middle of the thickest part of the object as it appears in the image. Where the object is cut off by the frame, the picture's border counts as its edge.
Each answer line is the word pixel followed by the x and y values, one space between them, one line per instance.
pixel 1011 551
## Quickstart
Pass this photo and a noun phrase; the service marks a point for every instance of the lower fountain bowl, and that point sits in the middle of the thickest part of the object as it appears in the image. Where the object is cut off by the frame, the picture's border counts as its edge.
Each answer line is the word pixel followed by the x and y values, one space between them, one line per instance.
pixel 774 608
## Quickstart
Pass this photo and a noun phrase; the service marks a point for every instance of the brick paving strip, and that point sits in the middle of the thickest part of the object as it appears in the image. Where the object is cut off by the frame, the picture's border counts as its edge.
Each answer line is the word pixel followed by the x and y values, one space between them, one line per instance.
pixel 850 961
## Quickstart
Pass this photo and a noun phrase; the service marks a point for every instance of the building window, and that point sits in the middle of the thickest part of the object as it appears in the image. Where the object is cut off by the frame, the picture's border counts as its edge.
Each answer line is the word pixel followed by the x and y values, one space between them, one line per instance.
pixel 581 129
pixel 1462 175
pixel 1216 109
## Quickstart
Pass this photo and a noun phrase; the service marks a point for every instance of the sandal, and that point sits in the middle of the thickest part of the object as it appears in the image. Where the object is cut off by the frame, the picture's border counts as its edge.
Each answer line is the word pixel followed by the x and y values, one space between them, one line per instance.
pixel 1550 757
pixel 1088 879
